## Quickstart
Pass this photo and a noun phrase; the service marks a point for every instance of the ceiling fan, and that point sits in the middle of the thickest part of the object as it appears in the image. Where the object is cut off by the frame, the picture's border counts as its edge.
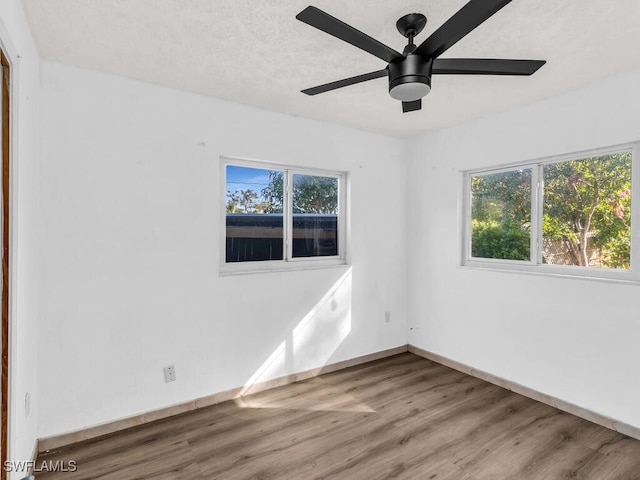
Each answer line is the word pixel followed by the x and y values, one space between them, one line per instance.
pixel 410 72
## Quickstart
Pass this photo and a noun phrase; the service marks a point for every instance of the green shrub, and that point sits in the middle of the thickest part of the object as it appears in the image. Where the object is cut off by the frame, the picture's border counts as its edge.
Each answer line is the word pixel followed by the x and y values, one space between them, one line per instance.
pixel 506 241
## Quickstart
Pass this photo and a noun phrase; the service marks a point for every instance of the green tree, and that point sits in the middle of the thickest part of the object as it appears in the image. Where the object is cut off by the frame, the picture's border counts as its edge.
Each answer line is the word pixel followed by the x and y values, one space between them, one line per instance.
pixel 501 213
pixel 504 197
pixel 233 202
pixel 273 193
pixel 587 203
pixel 242 201
pixel 315 194
pixel 311 194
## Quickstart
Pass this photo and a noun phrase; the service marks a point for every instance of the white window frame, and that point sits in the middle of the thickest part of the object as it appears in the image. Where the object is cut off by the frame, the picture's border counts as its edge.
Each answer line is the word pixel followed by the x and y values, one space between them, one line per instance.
pixel 289 262
pixel 534 264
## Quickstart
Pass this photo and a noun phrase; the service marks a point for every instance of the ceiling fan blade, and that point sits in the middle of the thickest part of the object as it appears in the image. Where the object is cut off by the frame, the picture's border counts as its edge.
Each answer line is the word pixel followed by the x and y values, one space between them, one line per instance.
pixel 411 106
pixel 485 66
pixel 323 21
pixel 346 82
pixel 464 21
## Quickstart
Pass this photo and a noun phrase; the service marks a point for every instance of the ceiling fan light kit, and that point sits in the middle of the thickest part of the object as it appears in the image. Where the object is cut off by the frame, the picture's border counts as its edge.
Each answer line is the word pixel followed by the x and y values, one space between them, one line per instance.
pixel 410 72
pixel 409 78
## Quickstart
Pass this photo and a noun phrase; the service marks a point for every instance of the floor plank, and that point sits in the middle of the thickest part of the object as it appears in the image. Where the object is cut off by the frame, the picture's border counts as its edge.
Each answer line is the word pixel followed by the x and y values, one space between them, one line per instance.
pixel 402 417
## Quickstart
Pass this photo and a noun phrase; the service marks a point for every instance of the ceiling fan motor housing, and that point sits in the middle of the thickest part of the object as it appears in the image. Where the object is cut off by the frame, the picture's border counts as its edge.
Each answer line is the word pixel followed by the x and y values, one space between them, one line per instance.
pixel 410 77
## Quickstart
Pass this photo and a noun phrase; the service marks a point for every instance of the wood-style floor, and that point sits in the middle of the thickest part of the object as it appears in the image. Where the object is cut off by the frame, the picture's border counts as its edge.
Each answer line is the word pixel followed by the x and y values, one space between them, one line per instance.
pixel 403 417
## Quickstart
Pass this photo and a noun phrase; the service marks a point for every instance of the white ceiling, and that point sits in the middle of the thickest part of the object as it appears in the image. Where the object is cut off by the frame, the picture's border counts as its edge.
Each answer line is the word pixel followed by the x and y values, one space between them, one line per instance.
pixel 256 52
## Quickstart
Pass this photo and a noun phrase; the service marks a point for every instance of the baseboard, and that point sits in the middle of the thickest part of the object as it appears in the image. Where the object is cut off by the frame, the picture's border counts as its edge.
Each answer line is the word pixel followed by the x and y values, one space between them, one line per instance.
pixel 57 441
pixel 563 405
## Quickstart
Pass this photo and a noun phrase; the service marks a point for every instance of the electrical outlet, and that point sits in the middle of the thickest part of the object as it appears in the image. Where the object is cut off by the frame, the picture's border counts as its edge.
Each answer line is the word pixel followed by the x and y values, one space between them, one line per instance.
pixel 169 374
pixel 387 317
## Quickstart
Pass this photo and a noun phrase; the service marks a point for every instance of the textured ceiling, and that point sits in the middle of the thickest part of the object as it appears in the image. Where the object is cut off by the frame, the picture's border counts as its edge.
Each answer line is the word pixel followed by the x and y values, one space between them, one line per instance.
pixel 257 53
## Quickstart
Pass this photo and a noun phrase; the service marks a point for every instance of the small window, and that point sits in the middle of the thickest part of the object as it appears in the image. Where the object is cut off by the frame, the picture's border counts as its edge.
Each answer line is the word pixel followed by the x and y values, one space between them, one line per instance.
pixel 571 214
pixel 278 216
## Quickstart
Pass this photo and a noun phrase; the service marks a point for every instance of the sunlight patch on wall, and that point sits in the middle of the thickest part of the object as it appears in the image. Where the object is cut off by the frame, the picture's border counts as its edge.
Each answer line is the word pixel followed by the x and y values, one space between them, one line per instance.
pixel 312 341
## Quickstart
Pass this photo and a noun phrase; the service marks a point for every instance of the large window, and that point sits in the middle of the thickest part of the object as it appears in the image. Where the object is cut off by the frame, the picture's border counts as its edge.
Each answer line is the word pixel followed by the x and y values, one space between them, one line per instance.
pixel 278 216
pixel 571 215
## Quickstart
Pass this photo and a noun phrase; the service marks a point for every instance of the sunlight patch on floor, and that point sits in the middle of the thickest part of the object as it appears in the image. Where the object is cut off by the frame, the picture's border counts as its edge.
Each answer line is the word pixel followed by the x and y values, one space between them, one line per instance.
pixel 332 400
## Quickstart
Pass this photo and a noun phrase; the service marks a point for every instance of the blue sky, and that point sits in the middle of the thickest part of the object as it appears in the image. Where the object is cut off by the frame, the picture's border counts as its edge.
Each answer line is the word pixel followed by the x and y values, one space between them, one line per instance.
pixel 244 178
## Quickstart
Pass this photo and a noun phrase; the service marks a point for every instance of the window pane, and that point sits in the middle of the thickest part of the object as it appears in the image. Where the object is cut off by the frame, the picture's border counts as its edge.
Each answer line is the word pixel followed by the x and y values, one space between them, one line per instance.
pixel 315 216
pixel 587 212
pixel 501 215
pixel 254 214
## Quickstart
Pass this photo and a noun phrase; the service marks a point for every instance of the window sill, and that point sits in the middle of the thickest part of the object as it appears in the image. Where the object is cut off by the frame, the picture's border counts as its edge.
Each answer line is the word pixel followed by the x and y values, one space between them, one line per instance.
pixel 622 277
pixel 251 268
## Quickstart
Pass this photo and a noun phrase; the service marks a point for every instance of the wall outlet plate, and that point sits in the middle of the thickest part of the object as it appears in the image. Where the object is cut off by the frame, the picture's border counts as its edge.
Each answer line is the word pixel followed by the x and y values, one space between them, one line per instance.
pixel 169 374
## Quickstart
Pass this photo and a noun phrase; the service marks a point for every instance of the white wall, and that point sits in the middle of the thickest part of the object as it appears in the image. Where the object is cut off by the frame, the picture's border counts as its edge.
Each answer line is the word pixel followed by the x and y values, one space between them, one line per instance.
pixel 131 240
pixel 15 39
pixel 574 339
pixel 131 235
